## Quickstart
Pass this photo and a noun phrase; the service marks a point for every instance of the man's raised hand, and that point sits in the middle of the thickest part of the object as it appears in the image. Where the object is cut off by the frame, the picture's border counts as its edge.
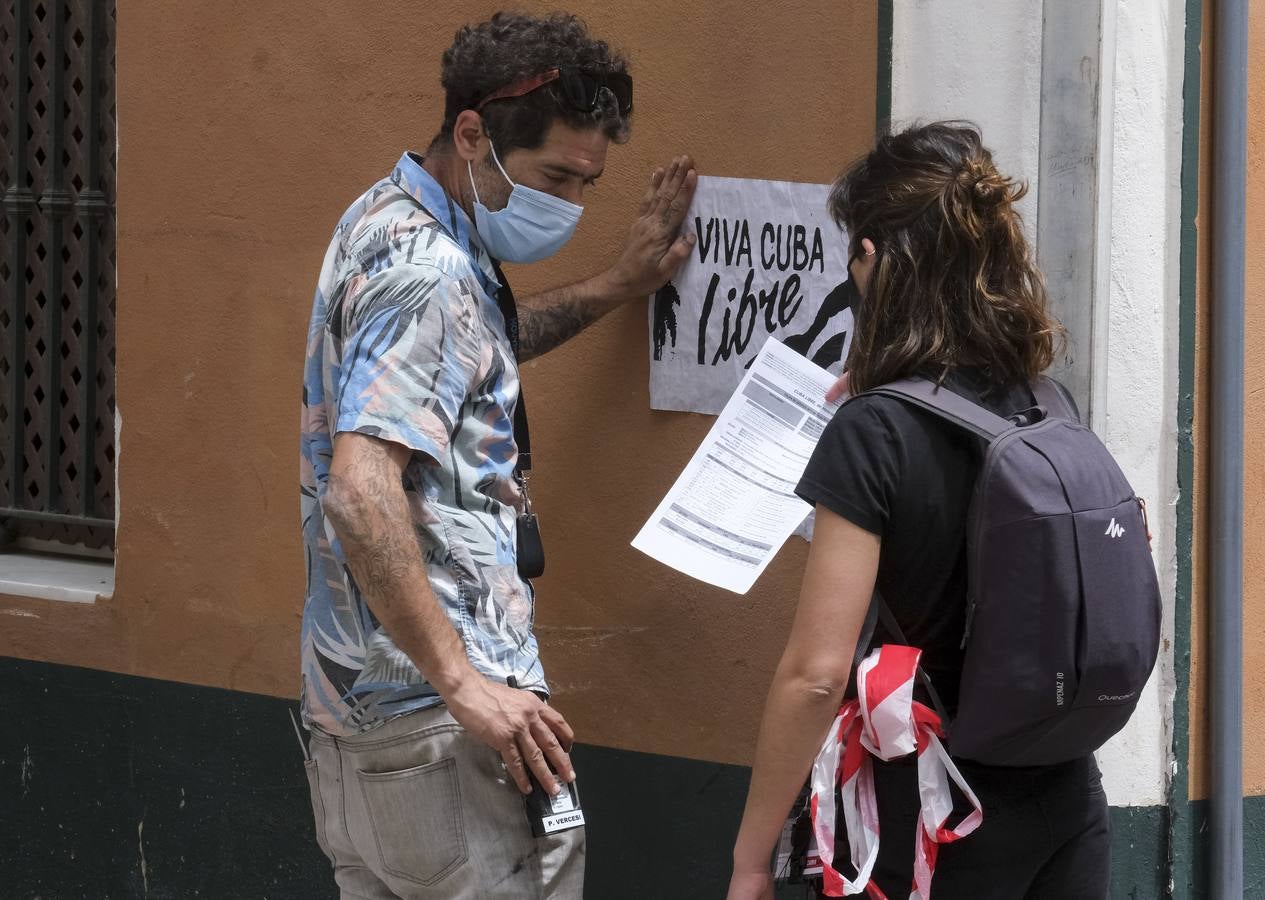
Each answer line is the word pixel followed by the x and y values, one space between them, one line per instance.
pixel 655 248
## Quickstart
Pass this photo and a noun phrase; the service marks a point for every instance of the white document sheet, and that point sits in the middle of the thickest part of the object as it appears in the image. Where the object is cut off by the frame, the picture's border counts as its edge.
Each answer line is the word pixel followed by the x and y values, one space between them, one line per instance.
pixel 734 506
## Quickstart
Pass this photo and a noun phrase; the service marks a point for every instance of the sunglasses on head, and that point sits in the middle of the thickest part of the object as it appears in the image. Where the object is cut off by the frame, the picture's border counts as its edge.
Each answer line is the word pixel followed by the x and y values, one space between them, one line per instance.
pixel 581 90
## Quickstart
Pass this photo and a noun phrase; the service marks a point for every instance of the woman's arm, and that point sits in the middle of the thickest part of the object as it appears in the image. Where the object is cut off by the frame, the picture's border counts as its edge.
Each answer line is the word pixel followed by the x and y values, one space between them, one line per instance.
pixel 807 689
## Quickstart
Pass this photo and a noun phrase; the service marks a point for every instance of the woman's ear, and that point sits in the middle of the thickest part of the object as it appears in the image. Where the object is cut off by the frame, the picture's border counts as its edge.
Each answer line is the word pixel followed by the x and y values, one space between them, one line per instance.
pixel 863 266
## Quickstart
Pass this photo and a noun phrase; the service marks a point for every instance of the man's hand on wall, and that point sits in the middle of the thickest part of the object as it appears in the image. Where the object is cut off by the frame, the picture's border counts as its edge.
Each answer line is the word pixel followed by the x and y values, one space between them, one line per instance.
pixel 528 733
pixel 655 248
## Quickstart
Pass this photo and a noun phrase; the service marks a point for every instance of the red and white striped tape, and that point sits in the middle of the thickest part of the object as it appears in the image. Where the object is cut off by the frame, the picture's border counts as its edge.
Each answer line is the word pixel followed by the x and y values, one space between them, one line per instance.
pixel 884 721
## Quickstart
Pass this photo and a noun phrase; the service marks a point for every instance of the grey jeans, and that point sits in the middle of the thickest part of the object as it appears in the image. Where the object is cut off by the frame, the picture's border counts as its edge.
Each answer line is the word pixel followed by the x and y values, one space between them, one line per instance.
pixel 417 809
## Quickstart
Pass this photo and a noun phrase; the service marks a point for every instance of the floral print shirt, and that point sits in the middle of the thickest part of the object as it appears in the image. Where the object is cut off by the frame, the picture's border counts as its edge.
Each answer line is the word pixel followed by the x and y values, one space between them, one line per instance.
pixel 407 344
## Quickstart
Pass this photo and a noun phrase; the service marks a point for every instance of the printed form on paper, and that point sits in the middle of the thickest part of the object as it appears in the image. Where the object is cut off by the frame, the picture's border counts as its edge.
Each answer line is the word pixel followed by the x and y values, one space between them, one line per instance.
pixel 734 506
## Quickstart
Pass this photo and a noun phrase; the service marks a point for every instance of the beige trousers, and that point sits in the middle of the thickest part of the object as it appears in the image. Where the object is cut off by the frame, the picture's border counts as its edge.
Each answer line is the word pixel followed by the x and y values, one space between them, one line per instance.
pixel 419 810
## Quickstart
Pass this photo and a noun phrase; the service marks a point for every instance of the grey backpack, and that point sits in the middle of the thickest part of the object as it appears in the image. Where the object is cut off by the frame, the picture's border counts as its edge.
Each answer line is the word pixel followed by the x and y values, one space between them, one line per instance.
pixel 1063 604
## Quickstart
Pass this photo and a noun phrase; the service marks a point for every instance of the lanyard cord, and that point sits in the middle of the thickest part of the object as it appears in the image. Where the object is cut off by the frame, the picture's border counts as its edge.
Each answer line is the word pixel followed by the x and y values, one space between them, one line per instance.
pixel 509 311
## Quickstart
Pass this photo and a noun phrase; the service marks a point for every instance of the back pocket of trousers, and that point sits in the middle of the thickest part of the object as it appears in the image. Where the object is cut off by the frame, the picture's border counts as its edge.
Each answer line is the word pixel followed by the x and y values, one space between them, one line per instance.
pixel 416 819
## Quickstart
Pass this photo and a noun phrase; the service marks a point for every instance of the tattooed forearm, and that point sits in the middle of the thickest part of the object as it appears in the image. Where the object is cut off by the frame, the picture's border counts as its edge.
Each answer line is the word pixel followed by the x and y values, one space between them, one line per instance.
pixel 543 327
pixel 547 320
pixel 364 500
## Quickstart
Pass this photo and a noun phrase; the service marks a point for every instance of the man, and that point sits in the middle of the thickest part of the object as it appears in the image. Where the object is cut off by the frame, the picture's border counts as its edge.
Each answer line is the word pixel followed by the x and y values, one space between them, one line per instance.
pixel 422 684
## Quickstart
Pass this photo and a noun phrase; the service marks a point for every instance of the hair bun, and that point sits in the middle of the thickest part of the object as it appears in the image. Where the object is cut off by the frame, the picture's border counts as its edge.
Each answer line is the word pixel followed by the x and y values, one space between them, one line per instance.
pixel 991 189
pixel 985 186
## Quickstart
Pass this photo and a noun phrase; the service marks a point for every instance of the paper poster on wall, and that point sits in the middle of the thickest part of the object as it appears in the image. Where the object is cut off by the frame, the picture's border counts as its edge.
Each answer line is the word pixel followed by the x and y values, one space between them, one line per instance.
pixel 768 262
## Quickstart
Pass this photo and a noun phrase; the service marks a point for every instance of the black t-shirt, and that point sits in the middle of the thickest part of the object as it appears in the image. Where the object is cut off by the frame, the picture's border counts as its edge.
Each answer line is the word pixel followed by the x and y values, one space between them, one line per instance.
pixel 907 476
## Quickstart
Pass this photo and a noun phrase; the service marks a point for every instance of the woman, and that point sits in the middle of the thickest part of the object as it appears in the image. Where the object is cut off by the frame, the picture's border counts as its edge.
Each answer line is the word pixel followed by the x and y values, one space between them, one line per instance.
pixel 948 289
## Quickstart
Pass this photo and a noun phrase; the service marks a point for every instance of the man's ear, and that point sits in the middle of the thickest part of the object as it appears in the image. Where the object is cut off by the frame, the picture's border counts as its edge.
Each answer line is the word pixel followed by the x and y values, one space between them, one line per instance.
pixel 468 134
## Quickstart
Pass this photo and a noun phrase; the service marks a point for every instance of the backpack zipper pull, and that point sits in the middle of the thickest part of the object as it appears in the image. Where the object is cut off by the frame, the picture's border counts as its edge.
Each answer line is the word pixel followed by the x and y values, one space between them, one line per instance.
pixel 1146 523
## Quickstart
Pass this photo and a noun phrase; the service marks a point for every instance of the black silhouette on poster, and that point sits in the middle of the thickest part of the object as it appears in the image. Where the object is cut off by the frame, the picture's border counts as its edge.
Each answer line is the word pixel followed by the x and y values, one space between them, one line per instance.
pixel 666 300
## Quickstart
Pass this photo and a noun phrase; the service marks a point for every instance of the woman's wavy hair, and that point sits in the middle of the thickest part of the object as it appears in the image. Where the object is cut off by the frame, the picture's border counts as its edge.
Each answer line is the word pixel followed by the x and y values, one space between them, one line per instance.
pixel 954 281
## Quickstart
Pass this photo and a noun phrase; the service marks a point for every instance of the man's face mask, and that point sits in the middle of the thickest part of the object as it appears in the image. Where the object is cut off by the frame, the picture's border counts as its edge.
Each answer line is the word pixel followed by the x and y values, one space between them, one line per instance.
pixel 533 225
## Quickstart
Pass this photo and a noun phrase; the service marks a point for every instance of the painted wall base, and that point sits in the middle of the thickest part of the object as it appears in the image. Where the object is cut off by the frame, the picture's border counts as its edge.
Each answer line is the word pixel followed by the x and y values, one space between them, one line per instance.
pixel 119 787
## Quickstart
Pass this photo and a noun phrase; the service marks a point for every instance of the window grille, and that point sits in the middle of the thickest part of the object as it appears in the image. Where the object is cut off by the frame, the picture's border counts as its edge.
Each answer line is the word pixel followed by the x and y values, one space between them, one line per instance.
pixel 57 284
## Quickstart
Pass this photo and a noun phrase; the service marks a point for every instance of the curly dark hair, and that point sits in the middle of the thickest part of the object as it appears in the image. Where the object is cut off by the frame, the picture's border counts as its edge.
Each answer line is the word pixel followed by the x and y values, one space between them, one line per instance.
pixel 511 46
pixel 955 282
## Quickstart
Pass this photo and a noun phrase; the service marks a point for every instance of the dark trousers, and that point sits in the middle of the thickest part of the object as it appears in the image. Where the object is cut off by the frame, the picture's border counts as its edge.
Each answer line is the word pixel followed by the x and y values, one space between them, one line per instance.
pixel 1046 834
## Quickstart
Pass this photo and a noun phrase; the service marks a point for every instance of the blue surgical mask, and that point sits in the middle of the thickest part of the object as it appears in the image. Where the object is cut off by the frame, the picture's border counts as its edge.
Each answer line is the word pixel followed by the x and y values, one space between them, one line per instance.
pixel 532 226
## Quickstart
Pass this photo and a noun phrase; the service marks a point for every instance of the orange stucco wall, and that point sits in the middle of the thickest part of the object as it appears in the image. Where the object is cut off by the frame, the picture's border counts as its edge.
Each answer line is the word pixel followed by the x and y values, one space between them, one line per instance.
pixel 1254 424
pixel 245 130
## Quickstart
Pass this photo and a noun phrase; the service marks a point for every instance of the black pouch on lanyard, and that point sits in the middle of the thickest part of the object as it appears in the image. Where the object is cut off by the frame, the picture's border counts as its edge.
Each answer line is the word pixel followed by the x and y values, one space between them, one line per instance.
pixel 530 550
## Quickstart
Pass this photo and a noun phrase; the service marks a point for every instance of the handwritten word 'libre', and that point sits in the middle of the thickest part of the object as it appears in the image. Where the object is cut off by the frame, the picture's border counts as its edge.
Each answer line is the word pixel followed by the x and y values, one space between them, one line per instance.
pixel 779 303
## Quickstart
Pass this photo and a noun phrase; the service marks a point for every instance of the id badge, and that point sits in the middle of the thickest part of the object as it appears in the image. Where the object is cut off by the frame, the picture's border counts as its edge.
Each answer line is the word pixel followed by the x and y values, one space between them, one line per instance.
pixel 550 814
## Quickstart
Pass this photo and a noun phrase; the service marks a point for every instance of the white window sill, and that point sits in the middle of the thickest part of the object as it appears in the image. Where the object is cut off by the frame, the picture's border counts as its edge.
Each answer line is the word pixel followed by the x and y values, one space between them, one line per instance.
pixel 55 577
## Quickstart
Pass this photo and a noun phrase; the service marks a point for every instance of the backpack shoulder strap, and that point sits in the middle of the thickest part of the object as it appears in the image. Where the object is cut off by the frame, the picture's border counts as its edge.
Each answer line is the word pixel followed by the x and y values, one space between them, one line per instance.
pixel 879 611
pixel 889 622
pixel 947 405
pixel 1055 398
